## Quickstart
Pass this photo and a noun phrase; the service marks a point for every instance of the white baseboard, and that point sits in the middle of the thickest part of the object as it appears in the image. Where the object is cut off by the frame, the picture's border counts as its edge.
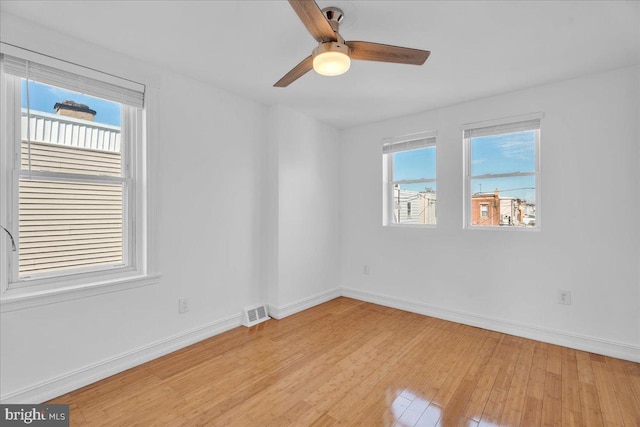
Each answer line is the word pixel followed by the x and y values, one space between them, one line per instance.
pixel 303 304
pixel 74 380
pixel 563 338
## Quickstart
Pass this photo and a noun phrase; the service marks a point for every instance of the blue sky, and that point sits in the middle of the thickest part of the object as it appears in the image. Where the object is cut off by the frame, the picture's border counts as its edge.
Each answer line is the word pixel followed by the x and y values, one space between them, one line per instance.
pixel 506 153
pixel 415 164
pixel 510 152
pixel 43 97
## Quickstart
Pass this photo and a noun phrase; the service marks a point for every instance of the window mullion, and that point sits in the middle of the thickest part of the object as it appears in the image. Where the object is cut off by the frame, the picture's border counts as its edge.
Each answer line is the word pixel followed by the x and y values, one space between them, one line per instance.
pixel 71 177
pixel 502 175
pixel 413 181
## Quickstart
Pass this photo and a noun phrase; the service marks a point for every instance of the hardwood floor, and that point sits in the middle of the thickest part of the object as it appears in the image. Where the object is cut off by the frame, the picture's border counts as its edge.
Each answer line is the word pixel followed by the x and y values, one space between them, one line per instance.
pixel 353 363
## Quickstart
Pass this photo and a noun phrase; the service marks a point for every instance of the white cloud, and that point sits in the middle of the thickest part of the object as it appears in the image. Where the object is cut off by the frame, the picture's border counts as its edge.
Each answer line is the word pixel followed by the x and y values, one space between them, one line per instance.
pixel 55 91
pixel 518 145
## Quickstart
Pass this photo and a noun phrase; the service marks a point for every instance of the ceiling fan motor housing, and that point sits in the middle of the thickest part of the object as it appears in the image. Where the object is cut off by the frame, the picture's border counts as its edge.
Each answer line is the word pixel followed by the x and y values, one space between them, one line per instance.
pixel 331 47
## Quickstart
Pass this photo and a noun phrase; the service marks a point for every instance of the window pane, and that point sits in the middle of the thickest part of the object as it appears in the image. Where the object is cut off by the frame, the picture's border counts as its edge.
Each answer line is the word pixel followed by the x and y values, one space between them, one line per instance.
pixel 503 201
pixel 506 153
pixel 43 97
pixel 414 203
pixel 414 164
pixel 68 225
pixel 70 132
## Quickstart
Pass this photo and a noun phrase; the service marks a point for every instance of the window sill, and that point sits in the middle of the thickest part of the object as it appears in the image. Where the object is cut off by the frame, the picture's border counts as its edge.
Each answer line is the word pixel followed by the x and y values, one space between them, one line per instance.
pixel 20 299
pixel 423 226
pixel 503 228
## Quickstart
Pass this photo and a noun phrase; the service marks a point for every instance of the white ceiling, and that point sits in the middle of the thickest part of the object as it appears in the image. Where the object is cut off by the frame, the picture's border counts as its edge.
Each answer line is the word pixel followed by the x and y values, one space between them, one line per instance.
pixel 478 48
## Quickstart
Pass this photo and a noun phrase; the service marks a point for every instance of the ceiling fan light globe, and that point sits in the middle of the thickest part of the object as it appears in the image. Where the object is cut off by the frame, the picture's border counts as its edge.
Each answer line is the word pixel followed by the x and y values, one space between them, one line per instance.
pixel 331 58
pixel 331 63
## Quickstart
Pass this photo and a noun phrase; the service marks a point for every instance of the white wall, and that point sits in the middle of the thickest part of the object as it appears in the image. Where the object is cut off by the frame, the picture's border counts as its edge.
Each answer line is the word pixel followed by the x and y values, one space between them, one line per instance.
pixel 589 242
pixel 207 240
pixel 303 256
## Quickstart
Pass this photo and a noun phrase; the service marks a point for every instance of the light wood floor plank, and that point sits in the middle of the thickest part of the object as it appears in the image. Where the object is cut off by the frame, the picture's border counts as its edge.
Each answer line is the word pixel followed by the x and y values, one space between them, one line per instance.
pixel 514 403
pixel 490 370
pixel 532 412
pixel 552 402
pixel 507 354
pixel 571 413
pixel 347 362
pixel 606 393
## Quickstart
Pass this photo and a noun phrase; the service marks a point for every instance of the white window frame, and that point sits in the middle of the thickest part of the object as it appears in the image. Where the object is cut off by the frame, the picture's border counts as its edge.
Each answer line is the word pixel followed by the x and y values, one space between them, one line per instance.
pixel 18 293
pixel 520 123
pixel 396 144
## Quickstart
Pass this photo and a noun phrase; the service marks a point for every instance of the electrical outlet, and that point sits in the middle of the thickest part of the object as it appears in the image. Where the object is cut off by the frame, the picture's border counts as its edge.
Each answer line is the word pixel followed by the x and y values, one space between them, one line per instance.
pixel 365 270
pixel 183 305
pixel 564 297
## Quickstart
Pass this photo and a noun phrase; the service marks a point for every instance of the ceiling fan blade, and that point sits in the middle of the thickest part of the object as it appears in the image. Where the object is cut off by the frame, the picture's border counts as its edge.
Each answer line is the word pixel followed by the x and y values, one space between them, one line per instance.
pixel 298 71
pixel 368 51
pixel 313 18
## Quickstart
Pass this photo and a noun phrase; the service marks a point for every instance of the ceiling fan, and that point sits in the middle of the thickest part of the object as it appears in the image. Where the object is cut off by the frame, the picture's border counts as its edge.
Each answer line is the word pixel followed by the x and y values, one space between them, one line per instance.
pixel 333 55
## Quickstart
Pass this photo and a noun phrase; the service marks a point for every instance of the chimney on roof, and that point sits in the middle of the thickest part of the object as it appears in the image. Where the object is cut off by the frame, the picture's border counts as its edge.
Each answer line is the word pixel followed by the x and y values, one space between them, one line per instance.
pixel 496 193
pixel 73 109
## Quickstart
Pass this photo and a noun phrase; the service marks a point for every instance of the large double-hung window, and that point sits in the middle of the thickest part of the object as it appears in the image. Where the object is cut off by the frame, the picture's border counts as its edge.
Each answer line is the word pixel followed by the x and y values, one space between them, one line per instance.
pixel 72 172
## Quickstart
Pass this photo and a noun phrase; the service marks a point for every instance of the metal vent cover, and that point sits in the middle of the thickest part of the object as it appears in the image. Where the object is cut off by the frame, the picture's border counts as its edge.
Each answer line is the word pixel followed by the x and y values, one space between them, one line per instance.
pixel 254 315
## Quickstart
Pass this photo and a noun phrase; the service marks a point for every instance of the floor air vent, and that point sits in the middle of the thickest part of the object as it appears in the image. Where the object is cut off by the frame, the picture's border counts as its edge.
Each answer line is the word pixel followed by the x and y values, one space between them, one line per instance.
pixel 254 315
